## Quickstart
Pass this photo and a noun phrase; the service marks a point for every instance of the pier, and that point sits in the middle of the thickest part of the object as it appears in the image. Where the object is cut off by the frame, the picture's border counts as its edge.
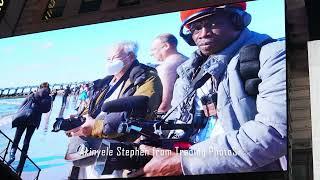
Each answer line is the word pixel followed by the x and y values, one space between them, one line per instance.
pixel 25 90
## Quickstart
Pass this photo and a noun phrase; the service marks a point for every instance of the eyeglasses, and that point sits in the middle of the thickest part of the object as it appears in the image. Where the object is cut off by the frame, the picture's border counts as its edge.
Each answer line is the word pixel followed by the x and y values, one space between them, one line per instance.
pixel 208 22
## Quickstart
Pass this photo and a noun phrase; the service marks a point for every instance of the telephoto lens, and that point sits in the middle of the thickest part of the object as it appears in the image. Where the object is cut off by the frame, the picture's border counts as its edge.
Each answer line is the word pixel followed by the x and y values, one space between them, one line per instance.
pixel 119 155
pixel 68 124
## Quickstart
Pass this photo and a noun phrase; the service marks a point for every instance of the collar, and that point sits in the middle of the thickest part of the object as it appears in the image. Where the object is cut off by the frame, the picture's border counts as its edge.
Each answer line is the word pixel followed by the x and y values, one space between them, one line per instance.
pixel 216 64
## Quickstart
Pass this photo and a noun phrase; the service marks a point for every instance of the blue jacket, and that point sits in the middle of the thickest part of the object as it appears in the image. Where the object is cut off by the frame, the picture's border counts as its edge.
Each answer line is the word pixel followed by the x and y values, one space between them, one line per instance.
pixel 255 130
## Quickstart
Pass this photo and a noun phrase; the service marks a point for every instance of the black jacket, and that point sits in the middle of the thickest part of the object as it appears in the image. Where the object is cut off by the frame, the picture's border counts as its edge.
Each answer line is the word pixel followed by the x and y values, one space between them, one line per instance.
pixel 140 80
pixel 42 104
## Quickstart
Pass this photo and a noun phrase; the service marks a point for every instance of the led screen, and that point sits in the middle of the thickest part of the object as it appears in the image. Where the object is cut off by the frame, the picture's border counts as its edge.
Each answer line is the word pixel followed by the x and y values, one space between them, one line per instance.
pixel 195 92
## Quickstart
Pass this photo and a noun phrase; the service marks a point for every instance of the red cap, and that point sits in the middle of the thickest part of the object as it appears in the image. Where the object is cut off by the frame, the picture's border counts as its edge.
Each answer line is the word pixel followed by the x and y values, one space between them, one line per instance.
pixel 188 13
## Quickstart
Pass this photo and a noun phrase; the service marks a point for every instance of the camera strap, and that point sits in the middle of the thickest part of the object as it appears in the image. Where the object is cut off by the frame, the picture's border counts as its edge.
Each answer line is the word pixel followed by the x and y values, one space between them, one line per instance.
pixel 249 66
pixel 199 79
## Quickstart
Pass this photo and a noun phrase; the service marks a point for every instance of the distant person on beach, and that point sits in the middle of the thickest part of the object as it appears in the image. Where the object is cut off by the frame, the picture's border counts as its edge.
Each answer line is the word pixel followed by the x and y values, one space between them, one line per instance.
pixel 39 102
pixel 54 94
pixel 66 93
pixel 164 50
pixel 77 91
pixel 83 97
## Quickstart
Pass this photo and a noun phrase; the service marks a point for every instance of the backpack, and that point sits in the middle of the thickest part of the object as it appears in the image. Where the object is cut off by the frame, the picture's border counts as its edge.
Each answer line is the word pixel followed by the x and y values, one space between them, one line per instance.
pixel 249 66
pixel 24 112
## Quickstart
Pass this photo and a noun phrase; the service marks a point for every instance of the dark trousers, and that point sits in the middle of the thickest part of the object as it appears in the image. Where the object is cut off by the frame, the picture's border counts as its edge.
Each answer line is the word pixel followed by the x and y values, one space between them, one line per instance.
pixel 64 100
pixel 26 142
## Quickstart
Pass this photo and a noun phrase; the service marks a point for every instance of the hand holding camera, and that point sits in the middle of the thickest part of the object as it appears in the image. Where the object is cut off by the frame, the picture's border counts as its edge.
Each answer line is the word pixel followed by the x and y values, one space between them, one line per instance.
pixel 68 124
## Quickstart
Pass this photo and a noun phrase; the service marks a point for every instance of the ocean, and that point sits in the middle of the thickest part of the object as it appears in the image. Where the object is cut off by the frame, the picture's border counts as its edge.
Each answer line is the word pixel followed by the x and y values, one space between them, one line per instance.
pixel 9 106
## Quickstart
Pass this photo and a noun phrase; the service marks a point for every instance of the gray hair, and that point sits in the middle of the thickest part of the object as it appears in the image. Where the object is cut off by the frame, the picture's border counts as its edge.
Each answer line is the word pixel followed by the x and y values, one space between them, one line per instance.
pixel 127 47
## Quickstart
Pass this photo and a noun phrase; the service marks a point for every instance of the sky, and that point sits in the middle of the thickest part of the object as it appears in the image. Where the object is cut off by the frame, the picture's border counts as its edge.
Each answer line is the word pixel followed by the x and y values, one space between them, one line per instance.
pixel 79 54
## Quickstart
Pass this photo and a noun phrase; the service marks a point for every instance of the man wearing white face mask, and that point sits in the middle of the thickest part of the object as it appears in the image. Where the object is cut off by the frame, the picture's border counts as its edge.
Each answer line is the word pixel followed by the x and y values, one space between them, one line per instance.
pixel 125 77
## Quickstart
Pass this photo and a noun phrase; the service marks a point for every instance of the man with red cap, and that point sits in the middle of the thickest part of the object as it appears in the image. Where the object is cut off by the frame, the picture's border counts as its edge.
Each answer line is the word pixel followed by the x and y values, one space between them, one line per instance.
pixel 239 108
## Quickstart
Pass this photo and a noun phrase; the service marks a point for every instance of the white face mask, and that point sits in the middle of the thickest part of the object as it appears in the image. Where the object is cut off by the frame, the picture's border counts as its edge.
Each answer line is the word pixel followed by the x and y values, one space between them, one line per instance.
pixel 114 67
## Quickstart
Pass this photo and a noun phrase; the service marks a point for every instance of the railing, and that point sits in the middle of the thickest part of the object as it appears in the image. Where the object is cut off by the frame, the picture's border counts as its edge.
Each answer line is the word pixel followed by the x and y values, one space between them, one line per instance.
pixel 6 150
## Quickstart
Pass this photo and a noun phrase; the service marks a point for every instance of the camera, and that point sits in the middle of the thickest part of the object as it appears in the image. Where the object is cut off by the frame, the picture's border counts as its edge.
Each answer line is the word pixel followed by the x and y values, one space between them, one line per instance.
pixel 120 155
pixel 127 155
pixel 68 124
